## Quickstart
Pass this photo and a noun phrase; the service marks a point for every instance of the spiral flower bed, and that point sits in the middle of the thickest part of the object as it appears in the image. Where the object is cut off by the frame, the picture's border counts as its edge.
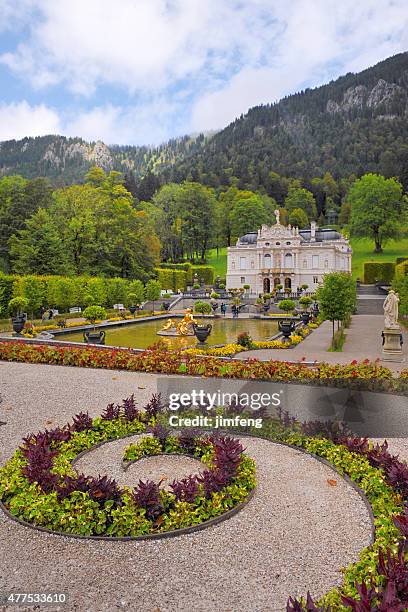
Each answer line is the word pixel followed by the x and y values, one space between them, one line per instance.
pixel 40 487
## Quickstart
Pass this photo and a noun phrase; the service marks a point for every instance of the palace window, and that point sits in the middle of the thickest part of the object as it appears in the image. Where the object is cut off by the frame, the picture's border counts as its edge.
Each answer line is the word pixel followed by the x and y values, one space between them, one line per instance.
pixel 242 263
pixel 315 260
pixel 305 263
pixel 267 243
pixel 288 243
pixel 278 244
pixel 267 261
pixel 242 279
pixel 288 260
pixel 233 265
pixel 315 279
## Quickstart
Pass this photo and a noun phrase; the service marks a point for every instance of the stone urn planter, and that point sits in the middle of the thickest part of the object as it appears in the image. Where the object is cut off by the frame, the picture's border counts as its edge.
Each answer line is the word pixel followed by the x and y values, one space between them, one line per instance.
pixel 316 310
pixel 132 309
pixel 94 337
pixel 166 305
pixel 202 332
pixel 214 306
pixel 265 308
pixel 305 316
pixel 18 324
pixel 286 327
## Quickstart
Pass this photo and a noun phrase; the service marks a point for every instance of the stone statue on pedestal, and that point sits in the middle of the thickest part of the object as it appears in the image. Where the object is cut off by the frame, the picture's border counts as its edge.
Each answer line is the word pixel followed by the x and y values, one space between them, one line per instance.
pixel 391 335
pixel 391 310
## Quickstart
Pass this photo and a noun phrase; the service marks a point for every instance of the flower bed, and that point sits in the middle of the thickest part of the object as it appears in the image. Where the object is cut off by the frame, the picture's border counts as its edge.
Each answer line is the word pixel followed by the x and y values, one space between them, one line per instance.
pixel 366 374
pixel 229 350
pixel 39 485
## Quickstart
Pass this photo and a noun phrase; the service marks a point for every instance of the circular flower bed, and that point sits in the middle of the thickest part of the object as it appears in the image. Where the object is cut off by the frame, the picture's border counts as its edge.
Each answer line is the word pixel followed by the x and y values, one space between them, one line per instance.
pixel 39 485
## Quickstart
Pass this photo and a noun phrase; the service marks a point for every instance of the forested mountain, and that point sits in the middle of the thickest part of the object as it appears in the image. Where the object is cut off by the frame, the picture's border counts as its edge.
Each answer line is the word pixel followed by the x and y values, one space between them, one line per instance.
pixel 66 160
pixel 354 125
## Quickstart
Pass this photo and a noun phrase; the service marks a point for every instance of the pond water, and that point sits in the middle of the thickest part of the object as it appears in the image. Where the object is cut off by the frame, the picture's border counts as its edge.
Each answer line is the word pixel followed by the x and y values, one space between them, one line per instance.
pixel 142 335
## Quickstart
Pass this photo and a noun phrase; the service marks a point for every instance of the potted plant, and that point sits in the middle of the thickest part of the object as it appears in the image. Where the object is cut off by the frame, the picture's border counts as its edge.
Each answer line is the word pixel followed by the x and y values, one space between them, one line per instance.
pixel 92 314
pixel 287 325
pixel 166 303
pixel 17 306
pixel 305 301
pixel 133 305
pixel 202 332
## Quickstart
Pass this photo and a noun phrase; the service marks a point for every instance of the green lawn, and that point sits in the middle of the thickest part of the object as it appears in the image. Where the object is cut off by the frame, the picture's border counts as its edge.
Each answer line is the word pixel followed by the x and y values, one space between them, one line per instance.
pixel 362 252
pixel 219 263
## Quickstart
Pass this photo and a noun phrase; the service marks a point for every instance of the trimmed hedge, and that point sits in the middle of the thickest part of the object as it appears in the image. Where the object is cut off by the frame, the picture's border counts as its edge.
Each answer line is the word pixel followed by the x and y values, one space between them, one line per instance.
pixel 186 266
pixel 399 260
pixel 62 292
pixel 171 278
pixel 203 272
pixel 401 270
pixel 376 271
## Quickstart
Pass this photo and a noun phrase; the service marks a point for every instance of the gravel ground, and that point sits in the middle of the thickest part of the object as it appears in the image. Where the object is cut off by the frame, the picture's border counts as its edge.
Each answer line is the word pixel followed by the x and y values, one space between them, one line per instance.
pixel 107 459
pixel 292 536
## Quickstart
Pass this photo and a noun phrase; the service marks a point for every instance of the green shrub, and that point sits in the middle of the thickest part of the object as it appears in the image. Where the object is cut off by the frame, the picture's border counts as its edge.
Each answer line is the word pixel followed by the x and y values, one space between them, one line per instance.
pixel 18 305
pixel 305 301
pixel 399 260
pixel 92 313
pixel 378 271
pixel 202 307
pixel 286 305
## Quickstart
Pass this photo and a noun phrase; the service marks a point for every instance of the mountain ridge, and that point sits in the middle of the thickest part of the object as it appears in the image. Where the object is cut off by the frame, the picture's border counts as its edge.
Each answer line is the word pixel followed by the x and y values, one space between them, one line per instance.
pixel 357 123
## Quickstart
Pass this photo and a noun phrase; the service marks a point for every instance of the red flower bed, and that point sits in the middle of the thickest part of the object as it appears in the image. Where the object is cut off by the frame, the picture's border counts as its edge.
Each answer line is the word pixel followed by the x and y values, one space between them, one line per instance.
pixel 371 374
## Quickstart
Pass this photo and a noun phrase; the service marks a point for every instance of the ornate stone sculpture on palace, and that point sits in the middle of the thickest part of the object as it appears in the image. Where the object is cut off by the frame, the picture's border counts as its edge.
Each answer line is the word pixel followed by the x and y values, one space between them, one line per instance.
pixel 391 310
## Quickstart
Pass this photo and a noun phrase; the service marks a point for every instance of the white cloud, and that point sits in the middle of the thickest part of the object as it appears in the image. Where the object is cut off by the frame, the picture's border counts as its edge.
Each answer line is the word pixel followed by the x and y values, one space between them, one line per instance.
pixel 147 123
pixel 320 40
pixel 172 66
pixel 139 44
pixel 18 120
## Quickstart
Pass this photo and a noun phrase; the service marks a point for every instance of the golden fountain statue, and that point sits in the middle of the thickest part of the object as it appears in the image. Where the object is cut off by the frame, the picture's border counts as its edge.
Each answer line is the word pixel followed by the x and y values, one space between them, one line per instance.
pixel 184 328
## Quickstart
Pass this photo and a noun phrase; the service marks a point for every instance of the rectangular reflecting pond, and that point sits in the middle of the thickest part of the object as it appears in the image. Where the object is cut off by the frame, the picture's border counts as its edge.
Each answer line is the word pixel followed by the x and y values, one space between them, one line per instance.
pixel 144 334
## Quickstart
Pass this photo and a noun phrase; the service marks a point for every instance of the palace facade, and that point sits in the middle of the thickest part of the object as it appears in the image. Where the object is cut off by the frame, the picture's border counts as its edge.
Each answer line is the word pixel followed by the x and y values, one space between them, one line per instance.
pixel 279 255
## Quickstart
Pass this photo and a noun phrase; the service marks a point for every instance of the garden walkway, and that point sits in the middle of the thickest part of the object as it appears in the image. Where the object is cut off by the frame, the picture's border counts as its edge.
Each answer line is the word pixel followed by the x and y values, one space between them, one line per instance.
pixel 363 341
pixel 293 535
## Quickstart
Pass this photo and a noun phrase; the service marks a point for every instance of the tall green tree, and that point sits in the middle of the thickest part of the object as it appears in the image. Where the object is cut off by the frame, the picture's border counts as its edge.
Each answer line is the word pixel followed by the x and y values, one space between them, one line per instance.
pixel 197 208
pixel 248 214
pixel 298 197
pixel 377 209
pixel 38 248
pixel 298 218
pixel 336 296
pixel 166 212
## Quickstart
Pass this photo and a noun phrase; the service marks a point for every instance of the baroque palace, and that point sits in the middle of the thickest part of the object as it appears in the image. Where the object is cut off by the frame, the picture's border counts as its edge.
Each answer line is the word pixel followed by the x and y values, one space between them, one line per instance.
pixel 279 255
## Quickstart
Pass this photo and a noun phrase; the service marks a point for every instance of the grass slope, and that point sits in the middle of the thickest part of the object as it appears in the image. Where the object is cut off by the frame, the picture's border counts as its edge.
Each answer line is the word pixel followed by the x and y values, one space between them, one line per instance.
pixel 362 252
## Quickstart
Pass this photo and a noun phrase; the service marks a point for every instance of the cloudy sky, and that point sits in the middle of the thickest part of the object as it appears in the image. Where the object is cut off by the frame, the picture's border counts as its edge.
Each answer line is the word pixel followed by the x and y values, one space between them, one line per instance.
pixel 143 71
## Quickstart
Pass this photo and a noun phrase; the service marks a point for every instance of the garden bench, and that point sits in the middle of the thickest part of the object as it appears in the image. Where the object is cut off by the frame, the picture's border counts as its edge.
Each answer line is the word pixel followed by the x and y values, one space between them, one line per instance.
pixel 119 307
pixel 75 309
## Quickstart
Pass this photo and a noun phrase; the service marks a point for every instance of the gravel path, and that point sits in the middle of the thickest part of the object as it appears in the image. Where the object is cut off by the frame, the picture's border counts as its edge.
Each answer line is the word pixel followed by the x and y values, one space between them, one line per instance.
pixel 363 341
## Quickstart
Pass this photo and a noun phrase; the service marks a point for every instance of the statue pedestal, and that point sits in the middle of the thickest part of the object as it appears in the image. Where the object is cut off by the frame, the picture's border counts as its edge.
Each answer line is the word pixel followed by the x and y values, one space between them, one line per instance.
pixel 392 350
